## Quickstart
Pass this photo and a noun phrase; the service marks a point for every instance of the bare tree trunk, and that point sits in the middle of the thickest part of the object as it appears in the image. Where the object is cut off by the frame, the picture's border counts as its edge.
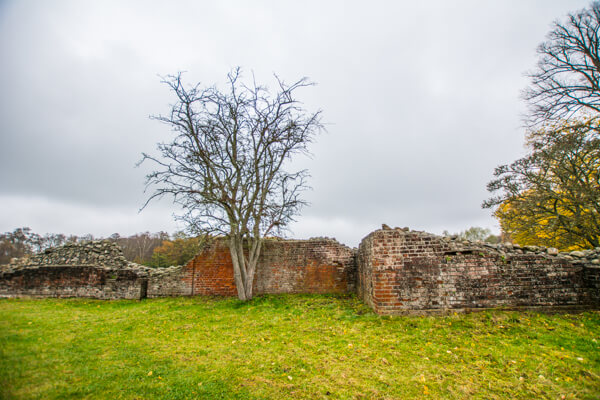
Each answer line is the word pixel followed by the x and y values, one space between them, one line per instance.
pixel 244 265
pixel 237 267
pixel 253 255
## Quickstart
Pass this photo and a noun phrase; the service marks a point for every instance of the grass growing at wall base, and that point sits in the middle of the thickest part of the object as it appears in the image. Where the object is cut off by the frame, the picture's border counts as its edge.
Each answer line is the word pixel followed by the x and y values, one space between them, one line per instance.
pixel 296 347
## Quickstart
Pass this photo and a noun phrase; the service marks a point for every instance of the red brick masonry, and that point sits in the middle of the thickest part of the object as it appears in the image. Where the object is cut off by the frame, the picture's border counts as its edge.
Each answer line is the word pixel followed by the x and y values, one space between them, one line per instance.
pixel 401 270
pixel 394 271
pixel 285 266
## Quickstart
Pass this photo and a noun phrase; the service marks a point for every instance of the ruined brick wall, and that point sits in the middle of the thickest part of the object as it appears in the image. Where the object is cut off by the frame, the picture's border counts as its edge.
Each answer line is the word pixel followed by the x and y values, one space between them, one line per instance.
pixel 401 270
pixel 395 270
pixel 364 271
pixel 211 272
pixel 95 269
pixel 305 266
pixel 171 281
pixel 591 281
pixel 285 266
pixel 99 270
pixel 72 281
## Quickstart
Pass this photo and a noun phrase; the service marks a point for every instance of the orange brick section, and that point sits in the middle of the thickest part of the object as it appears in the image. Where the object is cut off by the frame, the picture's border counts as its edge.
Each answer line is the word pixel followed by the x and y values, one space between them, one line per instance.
pixel 211 272
pixel 285 266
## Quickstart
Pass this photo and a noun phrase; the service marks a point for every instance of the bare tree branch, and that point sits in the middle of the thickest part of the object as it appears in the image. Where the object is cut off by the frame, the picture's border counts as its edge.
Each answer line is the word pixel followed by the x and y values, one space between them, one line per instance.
pixel 567 78
pixel 225 165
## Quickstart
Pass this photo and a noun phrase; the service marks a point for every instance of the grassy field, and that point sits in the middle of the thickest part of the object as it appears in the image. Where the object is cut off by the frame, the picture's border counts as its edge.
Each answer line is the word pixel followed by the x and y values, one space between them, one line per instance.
pixel 289 347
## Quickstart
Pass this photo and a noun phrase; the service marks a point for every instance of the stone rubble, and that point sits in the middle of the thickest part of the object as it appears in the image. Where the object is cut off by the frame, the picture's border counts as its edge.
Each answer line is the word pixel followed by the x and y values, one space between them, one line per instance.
pixel 107 254
pixel 590 257
pixel 97 253
pixel 393 270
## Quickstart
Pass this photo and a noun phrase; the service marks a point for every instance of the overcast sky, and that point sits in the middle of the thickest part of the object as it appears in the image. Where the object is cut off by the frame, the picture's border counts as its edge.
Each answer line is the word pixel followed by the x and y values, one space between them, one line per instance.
pixel 421 101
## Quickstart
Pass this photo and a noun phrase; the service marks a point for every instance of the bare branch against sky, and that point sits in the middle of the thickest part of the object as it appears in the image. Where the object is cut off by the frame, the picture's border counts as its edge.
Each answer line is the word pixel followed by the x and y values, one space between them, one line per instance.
pixel 420 100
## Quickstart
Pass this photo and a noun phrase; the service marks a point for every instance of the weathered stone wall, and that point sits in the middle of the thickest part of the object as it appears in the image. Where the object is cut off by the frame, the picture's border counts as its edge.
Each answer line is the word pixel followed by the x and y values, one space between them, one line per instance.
pixel 92 253
pixel 401 270
pixel 591 281
pixel 285 266
pixel 72 281
pixel 394 271
pixel 169 281
pixel 99 270
pixel 94 269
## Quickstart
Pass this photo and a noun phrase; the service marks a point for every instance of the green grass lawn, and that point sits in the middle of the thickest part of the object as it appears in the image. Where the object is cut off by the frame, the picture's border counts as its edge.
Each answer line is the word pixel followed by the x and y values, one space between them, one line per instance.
pixel 291 346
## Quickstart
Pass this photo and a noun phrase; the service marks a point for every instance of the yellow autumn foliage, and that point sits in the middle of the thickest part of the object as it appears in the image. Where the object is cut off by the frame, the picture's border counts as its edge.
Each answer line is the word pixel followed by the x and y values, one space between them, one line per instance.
pixel 551 197
pixel 537 230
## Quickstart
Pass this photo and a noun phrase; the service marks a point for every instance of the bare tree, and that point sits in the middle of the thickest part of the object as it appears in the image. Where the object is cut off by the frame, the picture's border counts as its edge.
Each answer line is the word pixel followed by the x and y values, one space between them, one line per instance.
pixel 474 233
pixel 567 78
pixel 226 165
pixel 18 243
pixel 139 247
pixel 22 242
pixel 52 240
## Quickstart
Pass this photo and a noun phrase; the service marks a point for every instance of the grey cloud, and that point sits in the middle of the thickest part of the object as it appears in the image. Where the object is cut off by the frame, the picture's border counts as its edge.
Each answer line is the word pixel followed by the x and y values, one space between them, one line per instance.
pixel 421 99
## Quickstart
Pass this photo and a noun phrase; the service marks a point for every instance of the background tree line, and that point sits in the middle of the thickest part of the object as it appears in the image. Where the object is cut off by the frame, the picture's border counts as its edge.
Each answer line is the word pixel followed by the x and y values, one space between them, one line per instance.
pixel 551 196
pixel 152 249
pixel 475 234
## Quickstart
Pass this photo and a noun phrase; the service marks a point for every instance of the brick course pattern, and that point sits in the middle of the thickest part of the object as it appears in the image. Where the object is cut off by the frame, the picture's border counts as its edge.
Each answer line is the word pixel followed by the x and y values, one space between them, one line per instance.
pixel 401 270
pixel 285 266
pixel 165 282
pixel 210 272
pixel 98 270
pixel 73 281
pixel 394 271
